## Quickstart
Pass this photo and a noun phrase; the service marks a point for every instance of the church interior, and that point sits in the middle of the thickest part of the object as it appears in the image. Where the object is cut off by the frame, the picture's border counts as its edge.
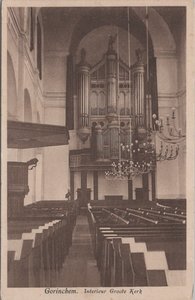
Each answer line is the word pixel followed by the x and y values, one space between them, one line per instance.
pixel 96 146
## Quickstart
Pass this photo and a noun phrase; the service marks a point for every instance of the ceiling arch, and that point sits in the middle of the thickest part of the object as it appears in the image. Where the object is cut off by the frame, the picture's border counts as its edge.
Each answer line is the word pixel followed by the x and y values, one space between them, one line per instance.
pixel 96 17
pixel 161 35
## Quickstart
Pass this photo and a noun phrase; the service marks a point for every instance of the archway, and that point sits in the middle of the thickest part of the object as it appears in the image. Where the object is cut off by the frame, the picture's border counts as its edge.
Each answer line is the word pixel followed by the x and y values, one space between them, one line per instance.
pixel 11 90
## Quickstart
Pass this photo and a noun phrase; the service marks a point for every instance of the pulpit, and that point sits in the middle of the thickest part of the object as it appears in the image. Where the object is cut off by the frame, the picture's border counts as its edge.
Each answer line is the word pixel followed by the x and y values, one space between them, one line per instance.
pixel 17 187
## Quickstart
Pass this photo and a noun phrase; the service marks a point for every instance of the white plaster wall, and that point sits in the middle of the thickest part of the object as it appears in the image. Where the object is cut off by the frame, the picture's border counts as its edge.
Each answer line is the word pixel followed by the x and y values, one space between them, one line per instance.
pixel 116 187
pixel 167 182
pixel 56 173
pixel 167 74
pixel 77 183
pixel 12 154
pixel 54 115
pixel 167 176
pixel 54 72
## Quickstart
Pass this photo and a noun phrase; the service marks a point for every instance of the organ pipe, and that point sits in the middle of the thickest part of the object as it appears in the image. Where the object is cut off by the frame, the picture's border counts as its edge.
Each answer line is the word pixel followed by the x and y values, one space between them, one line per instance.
pixel 138 78
pixel 83 90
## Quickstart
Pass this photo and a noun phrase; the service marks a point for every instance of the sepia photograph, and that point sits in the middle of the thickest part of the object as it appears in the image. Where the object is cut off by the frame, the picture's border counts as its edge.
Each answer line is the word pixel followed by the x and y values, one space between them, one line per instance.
pixel 95 142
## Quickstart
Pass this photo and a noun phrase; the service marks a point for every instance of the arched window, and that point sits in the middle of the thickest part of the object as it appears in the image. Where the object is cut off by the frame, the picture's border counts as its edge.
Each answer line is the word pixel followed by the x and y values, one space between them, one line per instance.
pixel 27 107
pixel 39 48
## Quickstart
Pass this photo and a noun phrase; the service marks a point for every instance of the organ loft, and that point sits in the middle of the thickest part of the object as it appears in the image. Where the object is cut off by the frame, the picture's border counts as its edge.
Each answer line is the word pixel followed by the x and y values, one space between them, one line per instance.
pixel 96 119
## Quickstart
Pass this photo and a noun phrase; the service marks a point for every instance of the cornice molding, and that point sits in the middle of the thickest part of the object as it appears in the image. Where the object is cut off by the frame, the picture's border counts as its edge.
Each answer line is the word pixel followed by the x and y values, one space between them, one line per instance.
pixel 163 53
pixel 56 53
pixel 175 95
pixel 50 95
pixel 54 99
pixel 166 96
pixel 54 104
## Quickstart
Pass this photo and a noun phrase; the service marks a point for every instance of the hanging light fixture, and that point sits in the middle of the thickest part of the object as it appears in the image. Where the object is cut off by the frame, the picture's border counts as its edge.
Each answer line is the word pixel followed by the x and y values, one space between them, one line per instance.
pixel 168 131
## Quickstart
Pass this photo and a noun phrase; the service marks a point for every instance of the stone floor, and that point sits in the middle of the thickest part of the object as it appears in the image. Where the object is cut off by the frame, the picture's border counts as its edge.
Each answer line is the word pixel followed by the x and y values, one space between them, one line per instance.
pixel 79 269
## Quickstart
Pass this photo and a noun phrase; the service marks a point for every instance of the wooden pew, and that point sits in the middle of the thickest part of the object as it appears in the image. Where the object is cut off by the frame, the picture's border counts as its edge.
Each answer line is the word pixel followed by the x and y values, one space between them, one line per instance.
pixel 33 254
pixel 137 266
pixel 140 234
pixel 163 238
pixel 38 243
pixel 139 216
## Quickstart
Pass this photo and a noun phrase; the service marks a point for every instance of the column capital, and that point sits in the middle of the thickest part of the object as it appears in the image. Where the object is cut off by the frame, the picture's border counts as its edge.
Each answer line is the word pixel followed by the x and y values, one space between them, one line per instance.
pixel 138 68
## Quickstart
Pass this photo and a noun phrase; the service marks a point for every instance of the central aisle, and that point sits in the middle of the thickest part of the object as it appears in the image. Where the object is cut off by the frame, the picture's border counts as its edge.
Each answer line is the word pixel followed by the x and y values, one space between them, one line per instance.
pixel 79 269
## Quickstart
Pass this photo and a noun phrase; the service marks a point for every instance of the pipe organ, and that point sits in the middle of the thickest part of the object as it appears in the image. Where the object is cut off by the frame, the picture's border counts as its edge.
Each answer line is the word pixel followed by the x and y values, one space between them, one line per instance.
pixel 114 106
pixel 109 95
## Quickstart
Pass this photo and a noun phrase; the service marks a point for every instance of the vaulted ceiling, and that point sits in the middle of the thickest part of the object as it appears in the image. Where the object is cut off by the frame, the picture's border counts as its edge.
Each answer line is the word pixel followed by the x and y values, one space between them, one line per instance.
pixel 73 23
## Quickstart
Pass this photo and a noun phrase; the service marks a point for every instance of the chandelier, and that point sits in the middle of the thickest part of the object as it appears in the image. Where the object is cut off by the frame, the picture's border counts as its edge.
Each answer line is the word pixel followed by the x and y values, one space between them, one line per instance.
pixel 128 169
pixel 140 158
pixel 168 132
